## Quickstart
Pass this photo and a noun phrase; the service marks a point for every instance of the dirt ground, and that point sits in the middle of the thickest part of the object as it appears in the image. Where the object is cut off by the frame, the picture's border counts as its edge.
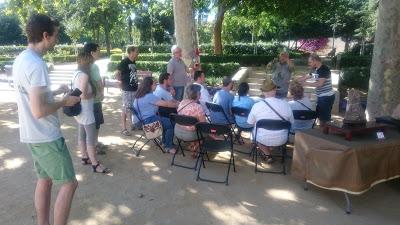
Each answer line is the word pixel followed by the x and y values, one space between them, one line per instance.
pixel 147 190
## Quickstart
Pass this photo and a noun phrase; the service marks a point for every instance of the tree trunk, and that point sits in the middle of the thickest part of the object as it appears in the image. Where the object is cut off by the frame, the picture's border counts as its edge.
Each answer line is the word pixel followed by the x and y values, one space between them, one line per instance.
pixel 218 29
pixel 346 44
pixel 384 91
pixel 130 30
pixel 107 37
pixel 184 29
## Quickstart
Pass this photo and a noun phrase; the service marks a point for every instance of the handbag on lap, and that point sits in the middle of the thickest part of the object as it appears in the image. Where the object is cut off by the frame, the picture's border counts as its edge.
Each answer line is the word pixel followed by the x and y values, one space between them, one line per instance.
pixel 151 130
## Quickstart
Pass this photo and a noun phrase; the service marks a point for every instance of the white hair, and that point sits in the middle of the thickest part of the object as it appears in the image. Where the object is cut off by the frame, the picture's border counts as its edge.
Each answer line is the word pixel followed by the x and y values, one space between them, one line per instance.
pixel 174 48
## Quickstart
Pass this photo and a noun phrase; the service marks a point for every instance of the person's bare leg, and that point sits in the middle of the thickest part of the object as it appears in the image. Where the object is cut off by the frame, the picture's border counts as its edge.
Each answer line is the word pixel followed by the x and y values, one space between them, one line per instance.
pixel 42 201
pixel 123 120
pixel 266 150
pixel 91 151
pixel 83 148
pixel 63 202
pixel 96 140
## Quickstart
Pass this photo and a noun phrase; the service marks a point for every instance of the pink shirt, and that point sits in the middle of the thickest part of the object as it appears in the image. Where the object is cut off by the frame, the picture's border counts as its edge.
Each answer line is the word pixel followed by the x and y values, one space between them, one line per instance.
pixel 191 108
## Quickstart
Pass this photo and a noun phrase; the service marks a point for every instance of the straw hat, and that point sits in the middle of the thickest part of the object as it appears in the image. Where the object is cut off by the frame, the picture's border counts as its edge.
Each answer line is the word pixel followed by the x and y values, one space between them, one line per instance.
pixel 268 85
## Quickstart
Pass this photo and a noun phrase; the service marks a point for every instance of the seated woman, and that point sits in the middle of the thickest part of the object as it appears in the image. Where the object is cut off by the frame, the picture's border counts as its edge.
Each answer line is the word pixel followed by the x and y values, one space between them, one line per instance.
pixel 146 104
pixel 300 102
pixel 267 139
pixel 86 120
pixel 243 101
pixel 190 106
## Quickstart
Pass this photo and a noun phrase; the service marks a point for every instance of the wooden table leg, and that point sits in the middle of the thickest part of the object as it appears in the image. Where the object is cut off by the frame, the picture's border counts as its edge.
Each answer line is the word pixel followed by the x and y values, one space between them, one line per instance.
pixel 326 130
pixel 349 136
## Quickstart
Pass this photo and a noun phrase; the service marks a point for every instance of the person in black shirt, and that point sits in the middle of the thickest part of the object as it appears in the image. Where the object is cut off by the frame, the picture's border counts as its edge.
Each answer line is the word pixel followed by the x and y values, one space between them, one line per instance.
pixel 126 74
pixel 324 90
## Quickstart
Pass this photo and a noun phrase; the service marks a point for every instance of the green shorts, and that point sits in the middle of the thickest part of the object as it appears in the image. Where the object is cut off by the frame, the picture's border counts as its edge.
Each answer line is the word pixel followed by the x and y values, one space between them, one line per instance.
pixel 53 161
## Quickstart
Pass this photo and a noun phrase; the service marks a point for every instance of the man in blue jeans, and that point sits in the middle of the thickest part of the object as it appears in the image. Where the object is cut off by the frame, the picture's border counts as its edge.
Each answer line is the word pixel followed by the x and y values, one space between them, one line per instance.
pixel 178 71
pixel 166 92
pixel 324 90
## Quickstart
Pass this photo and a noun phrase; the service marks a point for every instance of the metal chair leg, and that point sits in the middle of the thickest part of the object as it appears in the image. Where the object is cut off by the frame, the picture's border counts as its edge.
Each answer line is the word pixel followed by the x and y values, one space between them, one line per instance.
pixel 348 203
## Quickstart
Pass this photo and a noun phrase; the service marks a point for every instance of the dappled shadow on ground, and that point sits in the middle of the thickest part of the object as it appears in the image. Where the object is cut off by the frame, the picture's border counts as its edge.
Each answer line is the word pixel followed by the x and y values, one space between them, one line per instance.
pixel 147 190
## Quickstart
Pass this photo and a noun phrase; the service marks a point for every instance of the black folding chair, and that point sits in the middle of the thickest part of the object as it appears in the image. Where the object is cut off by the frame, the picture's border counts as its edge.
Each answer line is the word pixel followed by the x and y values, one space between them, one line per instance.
pixel 271 125
pixel 183 121
pixel 242 112
pixel 215 146
pixel 304 115
pixel 143 136
pixel 215 108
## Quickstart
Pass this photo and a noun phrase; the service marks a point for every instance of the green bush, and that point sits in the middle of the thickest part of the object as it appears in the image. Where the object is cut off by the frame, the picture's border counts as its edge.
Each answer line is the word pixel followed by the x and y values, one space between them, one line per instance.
pixel 10 50
pixel 347 60
pixel 155 57
pixel 60 58
pixel 355 77
pixel 116 57
pixel 245 48
pixel 243 60
pixel 211 69
pixel 6 58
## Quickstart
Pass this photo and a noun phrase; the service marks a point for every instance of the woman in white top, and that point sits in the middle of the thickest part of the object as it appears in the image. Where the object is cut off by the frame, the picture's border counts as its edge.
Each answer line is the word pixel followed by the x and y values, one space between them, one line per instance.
pixel 86 121
pixel 267 139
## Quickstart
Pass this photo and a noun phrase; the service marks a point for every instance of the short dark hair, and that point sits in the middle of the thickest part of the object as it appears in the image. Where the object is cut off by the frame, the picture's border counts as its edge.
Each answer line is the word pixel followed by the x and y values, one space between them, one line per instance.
pixel 243 89
pixel 226 81
pixel 131 49
pixel 163 77
pixel 315 57
pixel 90 47
pixel 197 74
pixel 37 25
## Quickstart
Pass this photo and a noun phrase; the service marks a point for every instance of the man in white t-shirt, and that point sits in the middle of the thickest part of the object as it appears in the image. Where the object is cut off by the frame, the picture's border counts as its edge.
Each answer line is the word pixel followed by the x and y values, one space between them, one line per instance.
pixel 267 139
pixel 39 123
pixel 200 79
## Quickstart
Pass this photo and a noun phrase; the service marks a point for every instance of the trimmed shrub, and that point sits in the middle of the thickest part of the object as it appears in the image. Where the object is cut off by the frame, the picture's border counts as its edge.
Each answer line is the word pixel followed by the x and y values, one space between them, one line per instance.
pixel 6 58
pixel 11 50
pixel 355 77
pixel 116 57
pixel 354 61
pixel 245 48
pixel 211 69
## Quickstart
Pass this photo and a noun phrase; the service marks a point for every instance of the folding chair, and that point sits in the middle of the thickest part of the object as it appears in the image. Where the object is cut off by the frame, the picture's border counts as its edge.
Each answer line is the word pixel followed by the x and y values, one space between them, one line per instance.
pixel 242 112
pixel 184 121
pixel 305 115
pixel 143 136
pixel 214 146
pixel 215 108
pixel 271 125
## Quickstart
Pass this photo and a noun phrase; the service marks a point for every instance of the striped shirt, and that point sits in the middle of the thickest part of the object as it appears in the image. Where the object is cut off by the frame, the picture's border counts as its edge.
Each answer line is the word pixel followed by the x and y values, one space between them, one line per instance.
pixel 326 89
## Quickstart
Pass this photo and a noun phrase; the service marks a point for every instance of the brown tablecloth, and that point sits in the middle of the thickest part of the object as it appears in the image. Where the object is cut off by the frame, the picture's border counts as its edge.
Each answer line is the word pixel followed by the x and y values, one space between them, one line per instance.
pixel 330 162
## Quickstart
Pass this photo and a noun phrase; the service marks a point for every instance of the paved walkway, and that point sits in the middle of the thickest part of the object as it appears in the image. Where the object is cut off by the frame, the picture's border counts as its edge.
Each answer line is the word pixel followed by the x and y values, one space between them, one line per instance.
pixel 147 190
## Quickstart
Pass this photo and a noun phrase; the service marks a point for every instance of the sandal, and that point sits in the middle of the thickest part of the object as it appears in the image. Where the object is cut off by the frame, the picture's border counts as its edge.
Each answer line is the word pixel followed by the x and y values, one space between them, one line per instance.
pixel 125 132
pixel 86 161
pixel 105 170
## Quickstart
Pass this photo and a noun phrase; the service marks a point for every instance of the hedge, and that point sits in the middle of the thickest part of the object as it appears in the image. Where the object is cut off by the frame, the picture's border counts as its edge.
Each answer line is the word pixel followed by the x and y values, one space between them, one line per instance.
pixel 347 60
pixel 211 69
pixel 228 49
pixel 243 60
pixel 355 77
pixel 6 58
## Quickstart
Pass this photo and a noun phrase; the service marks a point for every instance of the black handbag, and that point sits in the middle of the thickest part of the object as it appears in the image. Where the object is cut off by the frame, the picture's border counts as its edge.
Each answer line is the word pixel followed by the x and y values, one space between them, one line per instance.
pixel 77 108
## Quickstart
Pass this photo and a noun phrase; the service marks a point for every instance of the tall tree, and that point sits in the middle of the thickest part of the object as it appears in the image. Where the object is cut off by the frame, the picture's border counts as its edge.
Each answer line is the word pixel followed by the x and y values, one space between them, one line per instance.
pixel 184 28
pixel 384 91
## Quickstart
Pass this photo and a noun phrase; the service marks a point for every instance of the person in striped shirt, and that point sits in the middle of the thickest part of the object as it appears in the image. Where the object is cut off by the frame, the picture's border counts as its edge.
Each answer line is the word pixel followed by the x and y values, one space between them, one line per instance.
pixel 324 90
